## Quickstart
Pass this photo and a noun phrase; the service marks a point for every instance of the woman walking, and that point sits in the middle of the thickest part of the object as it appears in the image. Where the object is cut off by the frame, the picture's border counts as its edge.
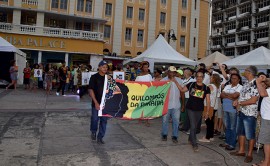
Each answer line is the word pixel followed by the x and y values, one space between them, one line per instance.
pixel 13 74
pixel 214 86
pixel 48 78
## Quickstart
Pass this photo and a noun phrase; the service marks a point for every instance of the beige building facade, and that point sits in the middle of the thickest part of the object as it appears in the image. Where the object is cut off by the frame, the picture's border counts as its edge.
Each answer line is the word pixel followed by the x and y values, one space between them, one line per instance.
pixel 85 30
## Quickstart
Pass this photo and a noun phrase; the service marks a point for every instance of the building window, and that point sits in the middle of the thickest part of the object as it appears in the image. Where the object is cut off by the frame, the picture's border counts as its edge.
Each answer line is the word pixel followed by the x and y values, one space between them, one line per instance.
pixel 128 34
pixel 163 2
pixel 229 52
pixel 263 3
pixel 87 27
pixel 244 22
pixel 261 33
pixel 218 17
pixel 78 26
pixel 55 3
pixel 162 18
pixel 195 23
pixel 230 39
pixel 217 41
pixel 88 6
pixel 129 12
pixel 141 14
pixel 183 22
pixel 63 4
pixel 231 13
pixel 80 4
pixel 244 37
pixel 182 41
pixel 231 2
pixel 108 9
pixel 245 8
pixel 140 36
pixel 107 31
pixel 195 5
pixel 3 17
pixel 230 26
pixel 243 50
pixel 262 18
pixel 184 4
pixel 194 42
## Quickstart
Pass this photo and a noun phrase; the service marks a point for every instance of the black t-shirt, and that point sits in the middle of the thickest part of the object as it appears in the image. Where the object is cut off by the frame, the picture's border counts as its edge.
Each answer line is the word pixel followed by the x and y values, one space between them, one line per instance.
pixel 96 83
pixel 197 95
pixel 62 73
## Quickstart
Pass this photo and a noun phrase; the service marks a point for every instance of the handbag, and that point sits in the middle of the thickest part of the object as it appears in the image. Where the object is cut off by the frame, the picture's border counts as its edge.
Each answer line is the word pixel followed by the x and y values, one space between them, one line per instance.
pixel 211 110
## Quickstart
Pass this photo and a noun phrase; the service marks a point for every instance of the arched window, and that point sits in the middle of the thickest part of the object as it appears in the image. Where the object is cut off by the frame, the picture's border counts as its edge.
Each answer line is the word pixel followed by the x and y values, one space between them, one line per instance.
pixel 106 51
pixel 127 52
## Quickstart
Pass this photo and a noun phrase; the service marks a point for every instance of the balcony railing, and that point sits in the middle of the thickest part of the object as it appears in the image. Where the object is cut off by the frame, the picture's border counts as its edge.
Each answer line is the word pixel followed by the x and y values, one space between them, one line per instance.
pixel 30 2
pixel 47 31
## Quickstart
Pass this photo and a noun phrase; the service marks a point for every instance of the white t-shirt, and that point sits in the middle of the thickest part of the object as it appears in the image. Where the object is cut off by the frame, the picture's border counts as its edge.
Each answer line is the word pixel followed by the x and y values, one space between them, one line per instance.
pixel 174 100
pixel 185 82
pixel 265 107
pixel 144 78
pixel 206 79
pixel 229 89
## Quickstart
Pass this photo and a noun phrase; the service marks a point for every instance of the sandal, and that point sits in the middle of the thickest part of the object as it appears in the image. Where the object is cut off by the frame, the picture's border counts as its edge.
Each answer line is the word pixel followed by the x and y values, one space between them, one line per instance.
pixel 236 153
pixel 248 159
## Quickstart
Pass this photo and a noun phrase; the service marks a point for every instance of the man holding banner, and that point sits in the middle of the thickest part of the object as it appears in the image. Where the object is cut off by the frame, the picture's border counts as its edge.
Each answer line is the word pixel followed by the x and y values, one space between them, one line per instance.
pixel 96 85
pixel 174 105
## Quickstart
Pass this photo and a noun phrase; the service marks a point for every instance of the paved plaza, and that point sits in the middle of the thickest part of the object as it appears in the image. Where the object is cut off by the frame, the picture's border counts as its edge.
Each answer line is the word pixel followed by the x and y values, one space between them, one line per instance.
pixel 36 129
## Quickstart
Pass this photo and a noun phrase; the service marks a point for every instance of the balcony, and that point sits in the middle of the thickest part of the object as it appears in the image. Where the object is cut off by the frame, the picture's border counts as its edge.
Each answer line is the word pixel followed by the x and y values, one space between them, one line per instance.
pixel 53 32
pixel 30 2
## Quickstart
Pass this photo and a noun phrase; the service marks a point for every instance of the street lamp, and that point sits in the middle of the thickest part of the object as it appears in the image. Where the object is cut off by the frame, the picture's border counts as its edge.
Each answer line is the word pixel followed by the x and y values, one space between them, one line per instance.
pixel 171 35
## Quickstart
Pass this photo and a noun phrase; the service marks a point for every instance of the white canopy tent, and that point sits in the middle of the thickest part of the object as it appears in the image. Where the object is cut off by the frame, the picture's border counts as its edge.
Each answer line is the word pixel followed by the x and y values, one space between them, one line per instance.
pixel 259 57
pixel 161 52
pixel 213 58
pixel 19 56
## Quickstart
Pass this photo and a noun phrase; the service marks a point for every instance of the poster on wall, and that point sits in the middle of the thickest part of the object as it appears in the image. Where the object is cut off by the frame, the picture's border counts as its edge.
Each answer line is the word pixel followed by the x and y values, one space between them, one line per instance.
pixel 86 77
pixel 37 72
pixel 119 75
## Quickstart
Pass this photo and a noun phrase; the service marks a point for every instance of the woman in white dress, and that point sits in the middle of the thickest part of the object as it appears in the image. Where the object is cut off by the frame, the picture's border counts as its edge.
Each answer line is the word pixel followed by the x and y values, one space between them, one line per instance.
pixel 144 76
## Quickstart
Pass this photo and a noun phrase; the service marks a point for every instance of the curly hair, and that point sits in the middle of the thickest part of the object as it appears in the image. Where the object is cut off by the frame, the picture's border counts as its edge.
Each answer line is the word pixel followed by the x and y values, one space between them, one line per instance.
pixel 216 80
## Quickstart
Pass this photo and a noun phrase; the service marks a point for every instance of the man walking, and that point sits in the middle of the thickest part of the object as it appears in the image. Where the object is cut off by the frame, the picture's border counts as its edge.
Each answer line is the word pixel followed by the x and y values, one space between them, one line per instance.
pixel 96 85
pixel 174 106
pixel 248 110
pixel 62 78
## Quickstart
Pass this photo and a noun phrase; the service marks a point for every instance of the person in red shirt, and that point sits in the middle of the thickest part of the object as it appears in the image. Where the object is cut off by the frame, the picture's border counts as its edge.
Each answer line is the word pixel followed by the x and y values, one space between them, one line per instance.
pixel 26 77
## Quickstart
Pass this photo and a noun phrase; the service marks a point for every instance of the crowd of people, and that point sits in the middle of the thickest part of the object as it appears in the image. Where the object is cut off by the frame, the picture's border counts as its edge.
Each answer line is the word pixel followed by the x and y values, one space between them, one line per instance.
pixel 216 95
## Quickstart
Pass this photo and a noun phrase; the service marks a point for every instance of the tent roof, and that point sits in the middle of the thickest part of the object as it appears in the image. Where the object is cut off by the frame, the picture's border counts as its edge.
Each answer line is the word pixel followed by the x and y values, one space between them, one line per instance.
pixel 5 46
pixel 257 57
pixel 215 57
pixel 161 52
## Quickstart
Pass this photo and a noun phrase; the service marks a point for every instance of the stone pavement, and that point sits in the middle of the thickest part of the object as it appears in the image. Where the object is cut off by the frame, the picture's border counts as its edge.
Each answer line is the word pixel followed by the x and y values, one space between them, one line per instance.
pixel 36 129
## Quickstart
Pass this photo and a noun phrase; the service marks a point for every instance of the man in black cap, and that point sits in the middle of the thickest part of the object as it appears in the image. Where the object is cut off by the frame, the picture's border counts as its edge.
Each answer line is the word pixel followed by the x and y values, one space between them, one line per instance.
pixel 96 85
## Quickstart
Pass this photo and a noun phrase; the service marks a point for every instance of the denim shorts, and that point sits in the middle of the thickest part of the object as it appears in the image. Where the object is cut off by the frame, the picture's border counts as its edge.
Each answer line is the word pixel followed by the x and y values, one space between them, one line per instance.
pixel 246 126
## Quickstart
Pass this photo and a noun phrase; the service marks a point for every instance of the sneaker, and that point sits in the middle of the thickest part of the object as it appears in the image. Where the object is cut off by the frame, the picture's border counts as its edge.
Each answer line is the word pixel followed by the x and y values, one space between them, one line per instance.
pixel 204 140
pixel 100 141
pixel 174 139
pixel 57 94
pixel 93 136
pixel 195 148
pixel 164 138
pixel 188 132
pixel 223 137
pixel 212 139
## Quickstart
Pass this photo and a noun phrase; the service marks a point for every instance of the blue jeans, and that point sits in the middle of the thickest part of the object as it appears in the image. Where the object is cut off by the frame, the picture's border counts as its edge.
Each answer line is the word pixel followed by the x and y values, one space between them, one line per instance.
pixel 230 120
pixel 175 114
pixel 94 124
pixel 246 126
